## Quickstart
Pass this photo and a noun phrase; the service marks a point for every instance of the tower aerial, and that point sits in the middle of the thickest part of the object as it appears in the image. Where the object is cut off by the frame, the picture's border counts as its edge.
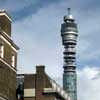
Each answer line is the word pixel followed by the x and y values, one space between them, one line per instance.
pixel 69 39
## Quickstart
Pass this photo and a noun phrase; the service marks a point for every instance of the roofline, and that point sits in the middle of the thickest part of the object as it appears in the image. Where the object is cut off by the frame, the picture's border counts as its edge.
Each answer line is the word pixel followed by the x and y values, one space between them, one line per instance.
pixel 4 12
pixel 4 62
pixel 9 39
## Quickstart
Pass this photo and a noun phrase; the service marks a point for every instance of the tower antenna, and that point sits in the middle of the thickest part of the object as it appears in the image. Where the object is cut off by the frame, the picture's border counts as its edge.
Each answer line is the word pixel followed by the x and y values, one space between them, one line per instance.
pixel 69 11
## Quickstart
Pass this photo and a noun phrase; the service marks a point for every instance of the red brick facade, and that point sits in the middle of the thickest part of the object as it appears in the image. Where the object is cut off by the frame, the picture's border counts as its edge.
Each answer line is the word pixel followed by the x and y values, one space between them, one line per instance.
pixel 39 86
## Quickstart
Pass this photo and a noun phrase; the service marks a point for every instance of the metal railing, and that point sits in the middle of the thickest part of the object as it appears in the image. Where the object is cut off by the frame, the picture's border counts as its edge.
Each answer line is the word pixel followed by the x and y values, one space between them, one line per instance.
pixel 58 89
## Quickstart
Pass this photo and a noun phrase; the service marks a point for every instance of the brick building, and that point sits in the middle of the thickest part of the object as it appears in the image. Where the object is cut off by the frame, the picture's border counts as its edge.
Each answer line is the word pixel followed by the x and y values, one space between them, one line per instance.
pixel 40 86
pixel 8 59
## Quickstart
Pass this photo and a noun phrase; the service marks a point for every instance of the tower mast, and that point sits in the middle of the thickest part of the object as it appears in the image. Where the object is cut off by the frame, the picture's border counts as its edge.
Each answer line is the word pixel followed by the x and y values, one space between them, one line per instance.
pixel 69 40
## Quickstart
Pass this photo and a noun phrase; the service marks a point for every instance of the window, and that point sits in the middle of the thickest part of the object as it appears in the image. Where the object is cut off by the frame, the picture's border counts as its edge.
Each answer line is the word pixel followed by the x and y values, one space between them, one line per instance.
pixel 13 60
pixel 1 50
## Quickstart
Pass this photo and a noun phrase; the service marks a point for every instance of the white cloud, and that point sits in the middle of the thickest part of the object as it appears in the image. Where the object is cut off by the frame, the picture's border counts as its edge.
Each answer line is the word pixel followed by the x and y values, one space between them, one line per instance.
pixel 39 39
pixel 88 85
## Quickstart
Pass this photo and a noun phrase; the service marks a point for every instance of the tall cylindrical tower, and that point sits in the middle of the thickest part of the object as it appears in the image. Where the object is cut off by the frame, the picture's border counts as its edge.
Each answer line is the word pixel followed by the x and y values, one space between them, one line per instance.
pixel 69 38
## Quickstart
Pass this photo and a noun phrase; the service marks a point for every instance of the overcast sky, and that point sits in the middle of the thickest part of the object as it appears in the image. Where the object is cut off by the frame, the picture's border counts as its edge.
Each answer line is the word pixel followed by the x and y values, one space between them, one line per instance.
pixel 36 30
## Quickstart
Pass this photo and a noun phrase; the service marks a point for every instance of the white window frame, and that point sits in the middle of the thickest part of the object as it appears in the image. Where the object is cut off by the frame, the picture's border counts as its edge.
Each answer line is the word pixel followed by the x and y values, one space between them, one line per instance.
pixel 13 60
pixel 1 50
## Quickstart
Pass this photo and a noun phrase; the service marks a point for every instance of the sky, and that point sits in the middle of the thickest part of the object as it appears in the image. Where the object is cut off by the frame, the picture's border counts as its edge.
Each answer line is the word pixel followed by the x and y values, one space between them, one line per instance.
pixel 36 30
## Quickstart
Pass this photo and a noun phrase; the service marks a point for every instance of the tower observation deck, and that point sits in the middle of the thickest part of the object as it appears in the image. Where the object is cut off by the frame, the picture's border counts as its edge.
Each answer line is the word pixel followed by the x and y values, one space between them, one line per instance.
pixel 69 40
